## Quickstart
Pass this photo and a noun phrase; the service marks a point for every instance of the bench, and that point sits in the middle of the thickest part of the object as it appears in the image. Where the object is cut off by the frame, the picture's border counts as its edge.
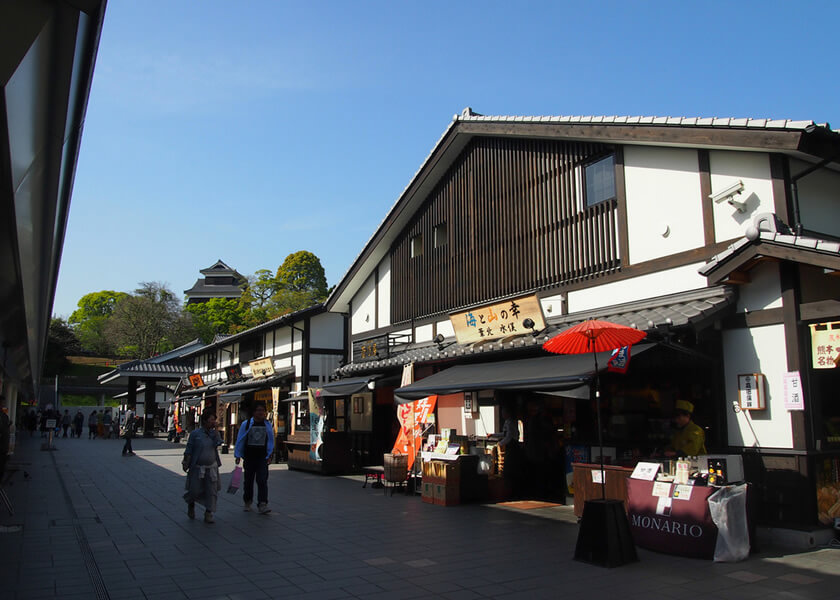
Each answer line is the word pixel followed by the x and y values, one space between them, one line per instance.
pixel 374 473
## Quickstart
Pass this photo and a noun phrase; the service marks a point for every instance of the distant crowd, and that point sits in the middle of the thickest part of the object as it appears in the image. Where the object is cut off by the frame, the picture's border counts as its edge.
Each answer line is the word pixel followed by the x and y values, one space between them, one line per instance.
pixel 100 423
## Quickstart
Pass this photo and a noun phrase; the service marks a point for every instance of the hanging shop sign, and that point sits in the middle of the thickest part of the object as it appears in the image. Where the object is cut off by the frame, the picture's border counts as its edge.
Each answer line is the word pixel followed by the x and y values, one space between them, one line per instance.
pixel 371 349
pixel 233 372
pixel 263 397
pixel 825 345
pixel 751 391
pixel 792 384
pixel 196 380
pixel 262 367
pixel 499 320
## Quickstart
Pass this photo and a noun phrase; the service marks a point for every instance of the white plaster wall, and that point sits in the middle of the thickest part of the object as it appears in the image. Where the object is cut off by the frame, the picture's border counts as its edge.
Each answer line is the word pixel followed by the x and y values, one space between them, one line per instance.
pixel 445 328
pixel 322 366
pixel 385 292
pixel 671 281
pixel 753 169
pixel 226 357
pixel 283 340
pixel 757 350
pixel 362 317
pixel 763 291
pixel 663 190
pixel 818 199
pixel 423 333
pixel 327 331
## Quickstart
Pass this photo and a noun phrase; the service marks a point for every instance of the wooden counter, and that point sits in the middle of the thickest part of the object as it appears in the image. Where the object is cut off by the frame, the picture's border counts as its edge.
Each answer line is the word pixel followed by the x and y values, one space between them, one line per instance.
pixel 586 489
pixel 335 453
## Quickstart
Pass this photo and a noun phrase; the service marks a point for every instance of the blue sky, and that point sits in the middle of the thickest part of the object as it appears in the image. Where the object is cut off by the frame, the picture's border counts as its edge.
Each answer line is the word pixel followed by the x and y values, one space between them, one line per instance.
pixel 250 130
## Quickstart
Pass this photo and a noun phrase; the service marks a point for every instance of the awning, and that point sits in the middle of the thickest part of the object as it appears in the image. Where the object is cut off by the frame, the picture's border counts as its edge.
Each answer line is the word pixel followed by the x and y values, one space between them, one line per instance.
pixel 256 383
pixel 228 398
pixel 347 387
pixel 544 373
pixel 299 397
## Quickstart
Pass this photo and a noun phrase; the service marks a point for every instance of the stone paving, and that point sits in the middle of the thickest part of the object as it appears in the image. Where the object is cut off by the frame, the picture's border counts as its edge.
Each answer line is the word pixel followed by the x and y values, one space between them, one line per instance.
pixel 90 524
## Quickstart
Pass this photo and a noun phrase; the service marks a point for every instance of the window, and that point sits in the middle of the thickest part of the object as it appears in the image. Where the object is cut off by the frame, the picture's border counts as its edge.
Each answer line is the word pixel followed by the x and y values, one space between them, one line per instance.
pixel 211 361
pixel 440 235
pixel 417 245
pixel 599 178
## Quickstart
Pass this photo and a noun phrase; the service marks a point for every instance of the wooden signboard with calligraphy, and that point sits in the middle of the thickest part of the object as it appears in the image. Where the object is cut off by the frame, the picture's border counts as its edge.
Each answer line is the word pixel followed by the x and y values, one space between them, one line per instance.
pixel 499 320
pixel 370 349
pixel 196 380
pixel 262 367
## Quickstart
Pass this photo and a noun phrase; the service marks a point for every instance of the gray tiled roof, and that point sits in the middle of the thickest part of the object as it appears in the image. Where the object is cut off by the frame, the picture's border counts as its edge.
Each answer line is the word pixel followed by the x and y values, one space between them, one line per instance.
pixel 726 122
pixel 776 239
pixel 675 310
pixel 142 366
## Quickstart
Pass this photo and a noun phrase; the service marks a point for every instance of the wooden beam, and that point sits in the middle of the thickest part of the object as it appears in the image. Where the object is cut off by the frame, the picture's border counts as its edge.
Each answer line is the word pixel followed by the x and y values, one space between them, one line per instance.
pixel 704 168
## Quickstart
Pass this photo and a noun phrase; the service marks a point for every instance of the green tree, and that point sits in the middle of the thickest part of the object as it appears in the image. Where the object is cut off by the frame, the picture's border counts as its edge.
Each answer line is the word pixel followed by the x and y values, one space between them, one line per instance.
pixel 90 320
pixel 61 343
pixel 300 282
pixel 217 315
pixel 148 323
pixel 302 272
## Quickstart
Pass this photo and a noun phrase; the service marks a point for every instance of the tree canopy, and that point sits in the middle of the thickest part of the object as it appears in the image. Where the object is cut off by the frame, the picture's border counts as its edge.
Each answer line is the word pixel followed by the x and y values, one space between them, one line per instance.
pixel 151 320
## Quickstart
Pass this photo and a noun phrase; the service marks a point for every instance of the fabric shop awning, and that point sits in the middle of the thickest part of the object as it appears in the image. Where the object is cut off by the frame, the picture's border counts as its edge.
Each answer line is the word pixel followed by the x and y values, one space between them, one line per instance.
pixel 544 373
pixel 230 397
pixel 347 387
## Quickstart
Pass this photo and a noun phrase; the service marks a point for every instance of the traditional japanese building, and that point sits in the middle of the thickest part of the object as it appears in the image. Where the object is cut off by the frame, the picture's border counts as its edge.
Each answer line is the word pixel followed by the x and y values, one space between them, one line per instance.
pixel 718 237
pixel 219 281
pixel 267 364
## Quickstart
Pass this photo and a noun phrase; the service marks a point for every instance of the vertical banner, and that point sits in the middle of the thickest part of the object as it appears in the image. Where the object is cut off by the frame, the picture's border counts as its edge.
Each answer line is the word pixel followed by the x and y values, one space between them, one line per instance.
pixel 412 416
pixel 316 423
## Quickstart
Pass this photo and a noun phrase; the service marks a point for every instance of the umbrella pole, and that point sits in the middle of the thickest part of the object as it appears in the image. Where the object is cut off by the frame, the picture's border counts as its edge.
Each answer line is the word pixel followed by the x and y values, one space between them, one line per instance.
pixel 598 418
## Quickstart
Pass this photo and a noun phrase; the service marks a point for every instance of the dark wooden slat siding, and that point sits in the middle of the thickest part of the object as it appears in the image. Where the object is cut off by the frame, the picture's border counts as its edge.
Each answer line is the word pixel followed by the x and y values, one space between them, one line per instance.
pixel 515 223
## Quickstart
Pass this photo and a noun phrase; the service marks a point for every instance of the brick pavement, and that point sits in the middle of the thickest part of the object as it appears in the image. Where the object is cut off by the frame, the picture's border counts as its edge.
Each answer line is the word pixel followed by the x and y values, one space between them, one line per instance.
pixel 97 525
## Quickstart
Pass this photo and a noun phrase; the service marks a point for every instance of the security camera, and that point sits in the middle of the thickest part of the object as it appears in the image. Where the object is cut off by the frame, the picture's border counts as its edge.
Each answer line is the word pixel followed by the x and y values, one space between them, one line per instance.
pixel 728 194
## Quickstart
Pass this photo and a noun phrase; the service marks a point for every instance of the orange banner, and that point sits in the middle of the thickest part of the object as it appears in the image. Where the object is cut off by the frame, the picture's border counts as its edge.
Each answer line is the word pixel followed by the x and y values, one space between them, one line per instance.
pixel 412 416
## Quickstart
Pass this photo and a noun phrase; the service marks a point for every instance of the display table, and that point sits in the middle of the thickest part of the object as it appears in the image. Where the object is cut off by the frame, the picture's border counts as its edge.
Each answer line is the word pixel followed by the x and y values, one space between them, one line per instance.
pixel 587 489
pixel 685 528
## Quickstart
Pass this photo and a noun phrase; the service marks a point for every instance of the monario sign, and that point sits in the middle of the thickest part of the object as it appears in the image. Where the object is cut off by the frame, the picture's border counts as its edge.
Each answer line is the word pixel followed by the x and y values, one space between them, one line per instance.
pixel 666 526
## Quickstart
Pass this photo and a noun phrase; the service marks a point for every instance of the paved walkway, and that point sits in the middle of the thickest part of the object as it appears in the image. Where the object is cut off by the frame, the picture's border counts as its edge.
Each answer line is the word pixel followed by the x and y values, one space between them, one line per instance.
pixel 92 524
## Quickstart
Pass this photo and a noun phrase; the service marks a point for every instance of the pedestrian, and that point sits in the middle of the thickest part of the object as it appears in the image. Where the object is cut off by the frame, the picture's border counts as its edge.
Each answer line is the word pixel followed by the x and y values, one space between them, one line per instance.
pixel 78 423
pixel 171 434
pixel 201 463
pixel 100 424
pixel 5 435
pixel 31 422
pixel 92 420
pixel 106 424
pixel 65 422
pixel 255 443
pixel 128 433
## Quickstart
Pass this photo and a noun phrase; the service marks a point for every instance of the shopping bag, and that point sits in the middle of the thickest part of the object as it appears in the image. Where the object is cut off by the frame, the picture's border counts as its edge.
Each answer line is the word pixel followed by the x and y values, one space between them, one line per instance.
pixel 235 480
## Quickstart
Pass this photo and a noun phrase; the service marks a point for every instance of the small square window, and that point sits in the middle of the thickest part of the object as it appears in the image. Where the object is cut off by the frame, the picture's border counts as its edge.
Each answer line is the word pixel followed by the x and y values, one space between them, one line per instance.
pixel 600 181
pixel 440 235
pixel 417 245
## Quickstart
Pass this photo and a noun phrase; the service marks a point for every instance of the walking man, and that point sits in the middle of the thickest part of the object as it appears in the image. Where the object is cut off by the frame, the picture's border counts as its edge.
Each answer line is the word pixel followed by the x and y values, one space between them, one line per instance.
pixel 78 423
pixel 130 429
pixel 65 422
pixel 255 443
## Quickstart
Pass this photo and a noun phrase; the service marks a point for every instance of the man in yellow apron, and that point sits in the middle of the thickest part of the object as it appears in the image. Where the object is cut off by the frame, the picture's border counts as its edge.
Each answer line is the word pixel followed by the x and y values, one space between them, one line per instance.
pixel 689 439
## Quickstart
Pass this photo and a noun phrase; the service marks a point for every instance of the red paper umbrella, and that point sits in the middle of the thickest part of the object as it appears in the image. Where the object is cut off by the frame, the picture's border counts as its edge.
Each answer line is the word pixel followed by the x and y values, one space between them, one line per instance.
pixel 593 336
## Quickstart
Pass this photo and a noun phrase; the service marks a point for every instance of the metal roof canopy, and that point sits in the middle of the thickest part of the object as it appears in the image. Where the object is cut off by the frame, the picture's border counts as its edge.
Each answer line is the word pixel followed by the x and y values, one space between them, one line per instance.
pixel 544 373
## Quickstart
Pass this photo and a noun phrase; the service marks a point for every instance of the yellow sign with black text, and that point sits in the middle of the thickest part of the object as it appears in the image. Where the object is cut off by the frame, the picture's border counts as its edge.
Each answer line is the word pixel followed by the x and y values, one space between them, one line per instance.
pixel 500 320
